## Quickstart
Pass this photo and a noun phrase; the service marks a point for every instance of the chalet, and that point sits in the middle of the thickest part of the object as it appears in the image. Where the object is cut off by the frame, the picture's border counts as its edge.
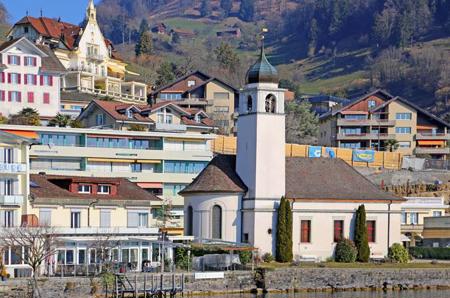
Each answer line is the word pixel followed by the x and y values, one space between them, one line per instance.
pixel 230 33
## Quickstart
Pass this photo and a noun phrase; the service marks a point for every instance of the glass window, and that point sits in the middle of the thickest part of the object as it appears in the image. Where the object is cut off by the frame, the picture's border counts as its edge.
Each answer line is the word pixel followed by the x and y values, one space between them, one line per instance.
pixel 136 167
pixel 305 231
pixel 338 230
pixel 69 256
pixel 414 218
pixel 437 213
pixel 404 217
pixel 81 256
pixel 352 131
pixel 143 220
pixel 355 117
pixel 186 167
pixel 104 189
pixel 16 255
pixel 190 83
pixel 404 144
pixel 14 60
pixel 371 231
pixel 403 130
pixel 83 188
pixel 216 222
pixel 371 104
pixel 403 116
pixel 99 120
pixel 75 219
pixel 125 255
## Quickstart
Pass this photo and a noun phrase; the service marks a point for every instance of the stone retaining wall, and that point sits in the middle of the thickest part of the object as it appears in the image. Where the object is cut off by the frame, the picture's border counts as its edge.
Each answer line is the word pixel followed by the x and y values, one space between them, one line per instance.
pixel 297 279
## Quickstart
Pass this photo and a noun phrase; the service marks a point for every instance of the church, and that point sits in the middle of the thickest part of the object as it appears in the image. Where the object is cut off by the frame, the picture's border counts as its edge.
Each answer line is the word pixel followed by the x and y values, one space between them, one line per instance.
pixel 235 198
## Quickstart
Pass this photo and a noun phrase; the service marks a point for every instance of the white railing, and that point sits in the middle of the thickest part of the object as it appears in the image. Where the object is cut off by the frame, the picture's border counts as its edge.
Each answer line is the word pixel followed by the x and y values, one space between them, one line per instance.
pixel 13 168
pixel 11 200
pixel 106 231
pixel 114 94
pixel 170 127
pixel 94 56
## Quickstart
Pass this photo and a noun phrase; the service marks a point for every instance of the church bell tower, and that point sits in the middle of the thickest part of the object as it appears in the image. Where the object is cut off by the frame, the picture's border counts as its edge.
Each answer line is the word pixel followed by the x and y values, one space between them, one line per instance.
pixel 261 157
pixel 91 12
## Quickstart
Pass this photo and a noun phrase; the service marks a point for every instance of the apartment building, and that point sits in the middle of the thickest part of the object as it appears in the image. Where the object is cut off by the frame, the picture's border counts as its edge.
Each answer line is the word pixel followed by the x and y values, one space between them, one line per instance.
pixel 93 67
pixel 436 232
pixel 414 212
pixel 375 119
pixel 201 91
pixel 30 78
pixel 162 163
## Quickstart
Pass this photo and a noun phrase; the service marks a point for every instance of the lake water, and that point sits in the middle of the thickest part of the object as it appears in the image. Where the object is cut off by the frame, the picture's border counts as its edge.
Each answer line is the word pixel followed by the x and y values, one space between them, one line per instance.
pixel 404 294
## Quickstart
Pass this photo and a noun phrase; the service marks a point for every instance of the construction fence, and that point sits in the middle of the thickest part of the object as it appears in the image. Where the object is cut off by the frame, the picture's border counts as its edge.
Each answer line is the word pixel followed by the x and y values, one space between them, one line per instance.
pixel 387 160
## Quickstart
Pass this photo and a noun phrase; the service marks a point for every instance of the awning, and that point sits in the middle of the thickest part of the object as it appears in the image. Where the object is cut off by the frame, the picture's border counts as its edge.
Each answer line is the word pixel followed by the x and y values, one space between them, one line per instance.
pixel 405 238
pixel 116 69
pixel 185 139
pixel 431 143
pixel 111 160
pixel 148 161
pixel 426 127
pixel 150 185
pixel 23 133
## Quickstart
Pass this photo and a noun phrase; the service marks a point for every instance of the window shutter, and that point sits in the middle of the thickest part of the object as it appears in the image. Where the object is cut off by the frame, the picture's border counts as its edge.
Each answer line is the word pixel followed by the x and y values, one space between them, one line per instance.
pixel 9 95
pixel 133 219
pixel 2 218
pixel 19 96
pixel 2 77
pixel 19 77
pixel 50 80
pixel 9 78
pixel 30 97
pixel 34 61
pixel 2 95
pixel 105 218
pixel 9 59
pixel 25 79
pixel 35 80
pixel 42 80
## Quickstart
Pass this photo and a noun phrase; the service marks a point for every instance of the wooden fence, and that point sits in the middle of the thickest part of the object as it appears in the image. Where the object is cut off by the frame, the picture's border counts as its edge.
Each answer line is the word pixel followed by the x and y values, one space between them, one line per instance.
pixel 388 160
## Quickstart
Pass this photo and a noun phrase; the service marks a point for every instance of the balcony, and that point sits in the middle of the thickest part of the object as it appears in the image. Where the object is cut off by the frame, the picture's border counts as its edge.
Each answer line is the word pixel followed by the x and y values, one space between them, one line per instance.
pixel 11 200
pixel 95 57
pixel 410 228
pixel 13 168
pixel 107 231
pixel 170 127
pixel 364 136
pixel 433 136
pixel 427 150
pixel 365 122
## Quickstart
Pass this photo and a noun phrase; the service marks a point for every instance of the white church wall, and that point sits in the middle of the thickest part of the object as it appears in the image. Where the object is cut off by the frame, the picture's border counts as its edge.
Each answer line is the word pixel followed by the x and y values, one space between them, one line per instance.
pixel 322 216
pixel 202 205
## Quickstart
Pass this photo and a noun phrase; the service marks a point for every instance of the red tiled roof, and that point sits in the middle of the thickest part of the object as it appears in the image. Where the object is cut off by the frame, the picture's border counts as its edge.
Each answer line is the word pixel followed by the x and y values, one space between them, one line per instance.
pixel 47 187
pixel 113 108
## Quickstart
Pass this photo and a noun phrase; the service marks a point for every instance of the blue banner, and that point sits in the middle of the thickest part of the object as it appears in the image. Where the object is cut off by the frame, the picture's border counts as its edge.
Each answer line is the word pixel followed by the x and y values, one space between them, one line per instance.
pixel 330 152
pixel 364 155
pixel 314 151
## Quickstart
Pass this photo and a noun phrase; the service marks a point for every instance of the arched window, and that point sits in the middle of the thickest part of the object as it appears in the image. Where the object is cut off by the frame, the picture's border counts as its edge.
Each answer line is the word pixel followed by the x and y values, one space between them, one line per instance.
pixel 249 104
pixel 190 221
pixel 216 222
pixel 271 103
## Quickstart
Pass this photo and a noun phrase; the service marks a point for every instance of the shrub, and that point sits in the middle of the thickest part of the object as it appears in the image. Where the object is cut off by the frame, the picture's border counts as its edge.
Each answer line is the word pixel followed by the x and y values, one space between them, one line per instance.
pixel 398 253
pixel 267 257
pixel 245 257
pixel 345 251
pixel 438 253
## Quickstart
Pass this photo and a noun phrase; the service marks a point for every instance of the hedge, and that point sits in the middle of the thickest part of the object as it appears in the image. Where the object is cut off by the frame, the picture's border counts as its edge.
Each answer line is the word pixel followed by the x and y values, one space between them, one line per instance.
pixel 438 253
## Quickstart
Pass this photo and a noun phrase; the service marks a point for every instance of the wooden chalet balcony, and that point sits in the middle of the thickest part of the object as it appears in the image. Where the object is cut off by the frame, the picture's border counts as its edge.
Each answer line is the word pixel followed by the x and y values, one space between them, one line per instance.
pixel 428 150
pixel 364 136
pixel 433 136
pixel 365 122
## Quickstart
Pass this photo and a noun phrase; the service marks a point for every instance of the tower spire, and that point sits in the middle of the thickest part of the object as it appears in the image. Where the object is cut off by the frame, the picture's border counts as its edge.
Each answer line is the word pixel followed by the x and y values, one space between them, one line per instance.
pixel 91 11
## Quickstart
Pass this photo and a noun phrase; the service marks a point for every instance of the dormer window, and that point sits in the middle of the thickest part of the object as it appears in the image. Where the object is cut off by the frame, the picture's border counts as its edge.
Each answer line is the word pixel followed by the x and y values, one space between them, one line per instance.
pixel 104 189
pixel 25 29
pixel 129 114
pixel 197 118
pixel 371 104
pixel 84 189
pixel 190 83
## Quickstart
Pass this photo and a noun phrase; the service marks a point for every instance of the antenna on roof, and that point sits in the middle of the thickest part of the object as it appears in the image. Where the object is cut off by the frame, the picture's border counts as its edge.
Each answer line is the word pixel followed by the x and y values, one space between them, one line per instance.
pixel 41 12
pixel 26 13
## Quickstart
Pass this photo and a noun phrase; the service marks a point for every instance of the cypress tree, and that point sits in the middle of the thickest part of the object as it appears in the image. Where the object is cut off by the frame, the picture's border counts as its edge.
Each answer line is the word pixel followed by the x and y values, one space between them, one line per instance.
pixel 361 237
pixel 145 44
pixel 284 232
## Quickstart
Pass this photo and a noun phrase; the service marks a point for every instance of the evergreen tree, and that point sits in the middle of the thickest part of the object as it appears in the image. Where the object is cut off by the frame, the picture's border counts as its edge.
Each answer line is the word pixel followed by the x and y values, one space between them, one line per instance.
pixel 284 232
pixel 143 27
pixel 226 56
pixel 361 237
pixel 226 5
pixel 205 8
pixel 302 124
pixel 247 10
pixel 145 44
pixel 165 73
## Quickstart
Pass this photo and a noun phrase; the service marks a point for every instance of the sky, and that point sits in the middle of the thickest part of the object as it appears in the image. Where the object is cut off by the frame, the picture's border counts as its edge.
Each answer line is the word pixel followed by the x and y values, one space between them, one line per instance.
pixel 71 11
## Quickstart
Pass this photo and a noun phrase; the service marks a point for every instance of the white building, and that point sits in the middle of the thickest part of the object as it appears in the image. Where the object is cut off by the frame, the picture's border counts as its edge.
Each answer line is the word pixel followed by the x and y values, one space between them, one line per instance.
pixel 30 78
pixel 94 69
pixel 236 198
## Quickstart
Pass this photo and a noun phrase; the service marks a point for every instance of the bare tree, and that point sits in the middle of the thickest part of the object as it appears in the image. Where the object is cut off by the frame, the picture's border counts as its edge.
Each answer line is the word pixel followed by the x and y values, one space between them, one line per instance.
pixel 103 246
pixel 39 243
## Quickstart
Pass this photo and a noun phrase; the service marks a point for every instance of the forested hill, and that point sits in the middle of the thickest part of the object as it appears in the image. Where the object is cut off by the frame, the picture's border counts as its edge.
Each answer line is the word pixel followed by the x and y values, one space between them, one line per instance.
pixel 328 46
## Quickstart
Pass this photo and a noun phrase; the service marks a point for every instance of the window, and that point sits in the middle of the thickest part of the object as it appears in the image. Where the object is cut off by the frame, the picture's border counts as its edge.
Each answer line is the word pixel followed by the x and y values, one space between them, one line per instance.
pixel 7 155
pixel 371 104
pixel 13 60
pixel 184 167
pixel 83 188
pixel 30 79
pixel 338 230
pixel 352 131
pixel 15 96
pixel 351 145
pixel 437 213
pixel 169 119
pixel 403 130
pixel 105 218
pixel 14 78
pixel 371 231
pixel 45 217
pixel 25 29
pixel 99 120
pixel 81 256
pixel 46 80
pixel 270 103
pixel 216 221
pixel 75 219
pixel 172 190
pixel 104 189
pixel 221 109
pixel 355 117
pixel 190 221
pixel 30 97
pixel 60 139
pixel 305 231
pixel 7 187
pixel 170 96
pixel 46 98
pixel 30 61
pixel 130 114
pixel 136 167
pixel 221 95
pixel 404 144
pixel 8 218
pixel 414 218
pixel 403 116
pixel 249 104
pixel 190 83
pixel 404 217
pixel 245 238
pixel 143 220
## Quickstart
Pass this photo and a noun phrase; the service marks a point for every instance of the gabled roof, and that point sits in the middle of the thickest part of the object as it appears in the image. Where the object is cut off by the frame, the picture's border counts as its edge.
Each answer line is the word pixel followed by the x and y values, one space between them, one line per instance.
pixel 306 179
pixel 219 176
pixel 47 188
pixel 197 72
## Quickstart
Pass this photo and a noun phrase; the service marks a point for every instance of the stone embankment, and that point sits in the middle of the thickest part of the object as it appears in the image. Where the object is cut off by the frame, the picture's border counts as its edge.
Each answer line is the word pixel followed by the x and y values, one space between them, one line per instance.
pixel 282 280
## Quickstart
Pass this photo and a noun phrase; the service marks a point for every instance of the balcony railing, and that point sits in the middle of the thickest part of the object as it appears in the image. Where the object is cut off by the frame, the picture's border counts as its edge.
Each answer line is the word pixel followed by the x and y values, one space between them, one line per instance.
pixel 170 127
pixel 365 122
pixel 14 168
pixel 365 136
pixel 106 231
pixel 427 150
pixel 93 56
pixel 117 95
pixel 11 200
pixel 432 136
pixel 405 228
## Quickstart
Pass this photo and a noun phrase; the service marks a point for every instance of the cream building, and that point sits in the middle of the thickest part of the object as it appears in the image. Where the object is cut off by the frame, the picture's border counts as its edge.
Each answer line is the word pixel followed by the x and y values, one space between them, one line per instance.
pixel 236 198
pixel 376 118
pixel 92 65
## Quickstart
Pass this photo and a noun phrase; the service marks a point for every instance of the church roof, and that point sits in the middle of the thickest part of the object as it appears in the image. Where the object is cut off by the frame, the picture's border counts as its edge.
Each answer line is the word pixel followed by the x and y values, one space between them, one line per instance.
pixel 219 176
pixel 262 71
pixel 306 179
